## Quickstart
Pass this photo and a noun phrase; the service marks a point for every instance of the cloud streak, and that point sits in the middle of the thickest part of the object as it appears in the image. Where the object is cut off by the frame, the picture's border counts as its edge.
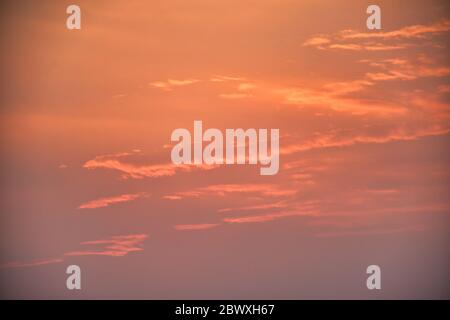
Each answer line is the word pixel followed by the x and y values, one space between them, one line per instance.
pixel 264 190
pixel 373 232
pixel 117 246
pixel 170 84
pixel 105 202
pixel 190 227
pixel 138 171
pixel 339 41
pixel 333 140
pixel 34 263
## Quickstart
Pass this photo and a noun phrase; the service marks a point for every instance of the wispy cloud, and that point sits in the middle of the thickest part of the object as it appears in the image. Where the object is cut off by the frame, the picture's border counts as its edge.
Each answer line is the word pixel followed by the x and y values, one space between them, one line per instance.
pixel 345 39
pixel 306 209
pixel 370 232
pixel 267 190
pixel 222 78
pixel 105 202
pixel 201 226
pixel 334 140
pixel 243 90
pixel 339 95
pixel 406 69
pixel 414 31
pixel 234 95
pixel 331 97
pixel 317 41
pixel 118 246
pixel 139 171
pixel 264 206
pixel 172 83
pixel 34 263
pixel 262 217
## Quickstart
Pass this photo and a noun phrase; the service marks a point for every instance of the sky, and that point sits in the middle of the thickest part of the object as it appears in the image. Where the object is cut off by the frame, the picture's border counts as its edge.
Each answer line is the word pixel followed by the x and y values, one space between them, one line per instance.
pixel 86 176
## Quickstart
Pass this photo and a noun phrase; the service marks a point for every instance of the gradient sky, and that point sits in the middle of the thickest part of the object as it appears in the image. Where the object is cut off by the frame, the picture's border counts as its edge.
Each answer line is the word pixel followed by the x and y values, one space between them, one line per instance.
pixel 86 177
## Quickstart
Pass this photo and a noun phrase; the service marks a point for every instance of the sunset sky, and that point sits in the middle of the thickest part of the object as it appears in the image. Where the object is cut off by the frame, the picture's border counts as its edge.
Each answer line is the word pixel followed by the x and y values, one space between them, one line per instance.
pixel 86 176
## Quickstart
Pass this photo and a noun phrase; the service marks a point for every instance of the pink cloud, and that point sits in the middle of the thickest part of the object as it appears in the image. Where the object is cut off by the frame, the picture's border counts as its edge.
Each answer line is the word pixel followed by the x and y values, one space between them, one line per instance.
pixel 385 231
pixel 105 202
pixel 118 246
pixel 332 140
pixel 135 171
pixel 171 83
pixel 21 264
pixel 414 31
pixel 234 95
pixel 202 226
pixel 316 41
pixel 263 217
pixel 305 209
pixel 223 78
pixel 265 206
pixel 338 40
pixel 224 189
pixel 334 96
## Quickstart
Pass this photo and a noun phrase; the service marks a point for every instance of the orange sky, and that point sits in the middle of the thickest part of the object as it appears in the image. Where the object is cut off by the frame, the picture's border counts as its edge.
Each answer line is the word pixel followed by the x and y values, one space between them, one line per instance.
pixel 86 177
